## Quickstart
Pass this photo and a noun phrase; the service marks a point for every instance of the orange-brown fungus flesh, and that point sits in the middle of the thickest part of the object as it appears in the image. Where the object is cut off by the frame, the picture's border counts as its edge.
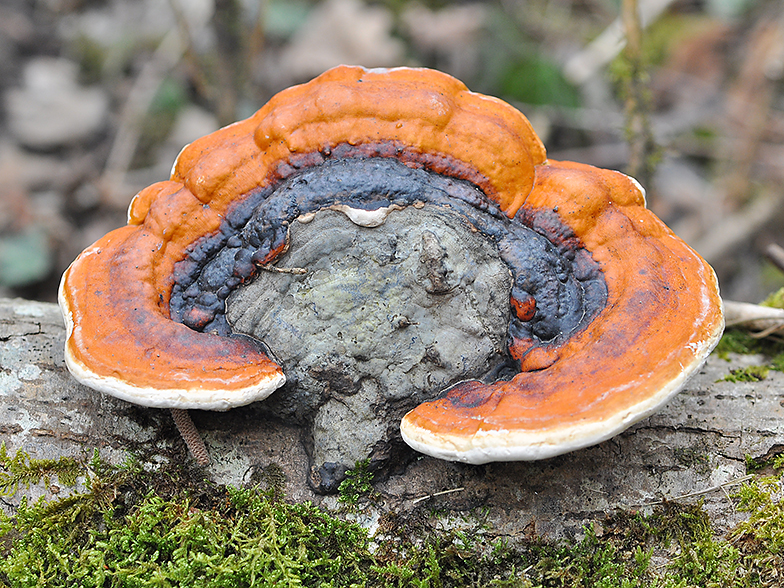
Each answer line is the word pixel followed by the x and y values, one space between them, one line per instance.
pixel 662 317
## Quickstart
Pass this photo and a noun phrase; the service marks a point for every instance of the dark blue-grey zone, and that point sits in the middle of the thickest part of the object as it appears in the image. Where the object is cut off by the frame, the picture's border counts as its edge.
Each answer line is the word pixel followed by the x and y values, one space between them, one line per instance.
pixel 547 260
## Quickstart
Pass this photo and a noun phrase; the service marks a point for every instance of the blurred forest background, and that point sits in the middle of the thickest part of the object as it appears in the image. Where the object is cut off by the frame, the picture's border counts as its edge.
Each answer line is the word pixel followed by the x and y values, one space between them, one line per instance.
pixel 97 97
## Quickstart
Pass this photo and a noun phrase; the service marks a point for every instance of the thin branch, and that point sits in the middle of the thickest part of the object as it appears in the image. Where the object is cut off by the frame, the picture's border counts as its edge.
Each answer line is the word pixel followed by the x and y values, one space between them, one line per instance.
pixel 735 482
pixel 429 496
pixel 197 69
pixel 137 104
pixel 765 320
pixel 775 254
pixel 642 146
pixel 607 45
pixel 284 270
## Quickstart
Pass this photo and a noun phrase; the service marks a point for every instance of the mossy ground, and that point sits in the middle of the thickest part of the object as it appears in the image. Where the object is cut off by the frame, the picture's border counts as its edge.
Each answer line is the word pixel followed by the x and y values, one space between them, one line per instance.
pixel 130 526
pixel 742 342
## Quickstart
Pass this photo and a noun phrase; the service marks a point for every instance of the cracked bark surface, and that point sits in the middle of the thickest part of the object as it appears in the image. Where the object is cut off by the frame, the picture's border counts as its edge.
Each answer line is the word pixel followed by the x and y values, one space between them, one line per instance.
pixel 698 441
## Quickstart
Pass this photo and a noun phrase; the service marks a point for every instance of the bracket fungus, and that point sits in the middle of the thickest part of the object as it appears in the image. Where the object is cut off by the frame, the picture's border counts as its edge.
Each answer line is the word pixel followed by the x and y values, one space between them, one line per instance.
pixel 604 312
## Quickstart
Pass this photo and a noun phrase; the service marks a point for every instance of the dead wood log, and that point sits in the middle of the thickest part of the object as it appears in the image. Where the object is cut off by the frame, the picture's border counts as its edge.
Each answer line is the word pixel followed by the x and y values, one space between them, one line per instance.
pixel 697 443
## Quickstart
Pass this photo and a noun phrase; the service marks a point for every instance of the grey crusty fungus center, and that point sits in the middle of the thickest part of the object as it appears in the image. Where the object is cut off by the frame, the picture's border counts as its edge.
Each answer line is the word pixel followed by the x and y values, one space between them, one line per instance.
pixel 390 291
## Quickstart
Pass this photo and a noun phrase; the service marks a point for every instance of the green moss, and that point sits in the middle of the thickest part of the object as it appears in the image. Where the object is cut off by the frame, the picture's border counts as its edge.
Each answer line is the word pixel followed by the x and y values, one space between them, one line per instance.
pixel 753 373
pixel 112 535
pixel 692 458
pixel 132 527
pixel 753 465
pixel 358 482
pixel 741 342
pixel 736 341
pixel 21 470
pixel 766 463
pixel 760 538
pixel 777 363
pixel 775 300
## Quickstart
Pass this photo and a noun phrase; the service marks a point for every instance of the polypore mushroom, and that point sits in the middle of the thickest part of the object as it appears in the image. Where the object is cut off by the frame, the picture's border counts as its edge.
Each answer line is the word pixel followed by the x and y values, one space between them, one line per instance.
pixel 609 311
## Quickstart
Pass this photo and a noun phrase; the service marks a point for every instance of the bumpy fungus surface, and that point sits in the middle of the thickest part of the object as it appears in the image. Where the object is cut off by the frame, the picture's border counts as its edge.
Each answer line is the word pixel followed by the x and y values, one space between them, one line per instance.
pixel 611 312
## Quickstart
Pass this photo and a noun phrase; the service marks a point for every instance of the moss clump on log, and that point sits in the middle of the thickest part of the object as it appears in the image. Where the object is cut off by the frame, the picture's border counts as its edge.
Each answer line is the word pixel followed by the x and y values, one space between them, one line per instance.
pixel 130 526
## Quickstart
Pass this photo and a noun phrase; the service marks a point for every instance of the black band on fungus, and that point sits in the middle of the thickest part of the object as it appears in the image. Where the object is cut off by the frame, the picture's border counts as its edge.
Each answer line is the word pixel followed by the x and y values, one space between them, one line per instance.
pixel 557 287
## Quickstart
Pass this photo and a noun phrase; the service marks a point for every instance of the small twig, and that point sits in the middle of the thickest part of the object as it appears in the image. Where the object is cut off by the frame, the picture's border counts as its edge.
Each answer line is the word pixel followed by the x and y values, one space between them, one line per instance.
pixel 437 494
pixel 137 104
pixel 775 255
pixel 729 232
pixel 196 66
pixel 190 434
pixel 642 145
pixel 750 102
pixel 767 332
pixel 765 320
pixel 587 63
pixel 740 480
pixel 284 270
